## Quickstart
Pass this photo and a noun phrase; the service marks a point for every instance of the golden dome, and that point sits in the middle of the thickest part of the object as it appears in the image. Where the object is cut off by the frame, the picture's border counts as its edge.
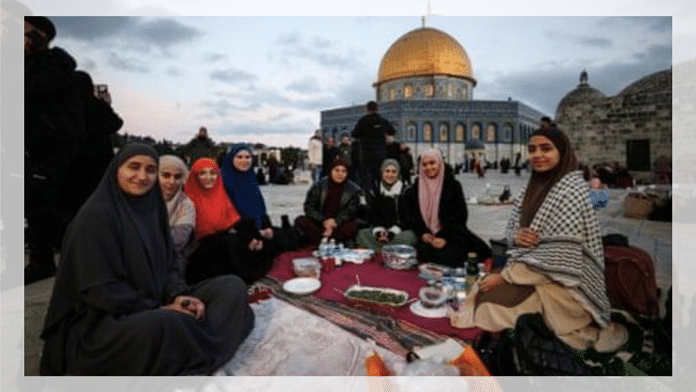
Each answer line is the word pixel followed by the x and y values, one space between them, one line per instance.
pixel 425 51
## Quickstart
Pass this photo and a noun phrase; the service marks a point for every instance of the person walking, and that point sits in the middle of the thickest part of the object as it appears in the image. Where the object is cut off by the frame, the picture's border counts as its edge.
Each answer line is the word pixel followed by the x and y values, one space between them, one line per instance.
pixel 371 132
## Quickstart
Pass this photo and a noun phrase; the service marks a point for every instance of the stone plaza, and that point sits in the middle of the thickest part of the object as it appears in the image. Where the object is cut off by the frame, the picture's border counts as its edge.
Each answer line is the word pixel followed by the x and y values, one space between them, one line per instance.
pixel 487 221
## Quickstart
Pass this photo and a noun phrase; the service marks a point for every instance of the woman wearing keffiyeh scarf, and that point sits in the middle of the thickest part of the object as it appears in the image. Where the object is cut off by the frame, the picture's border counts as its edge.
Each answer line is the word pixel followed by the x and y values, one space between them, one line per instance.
pixel 556 265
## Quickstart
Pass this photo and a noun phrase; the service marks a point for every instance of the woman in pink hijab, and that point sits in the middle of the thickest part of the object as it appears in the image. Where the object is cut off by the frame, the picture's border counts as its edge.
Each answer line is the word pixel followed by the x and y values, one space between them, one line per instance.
pixel 437 214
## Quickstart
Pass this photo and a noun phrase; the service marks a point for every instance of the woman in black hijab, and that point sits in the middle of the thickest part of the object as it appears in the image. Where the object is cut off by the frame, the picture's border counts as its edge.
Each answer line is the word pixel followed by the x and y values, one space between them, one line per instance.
pixel 119 305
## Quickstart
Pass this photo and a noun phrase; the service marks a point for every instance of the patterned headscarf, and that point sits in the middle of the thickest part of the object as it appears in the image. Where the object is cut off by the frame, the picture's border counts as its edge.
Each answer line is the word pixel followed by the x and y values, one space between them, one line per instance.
pixel 541 182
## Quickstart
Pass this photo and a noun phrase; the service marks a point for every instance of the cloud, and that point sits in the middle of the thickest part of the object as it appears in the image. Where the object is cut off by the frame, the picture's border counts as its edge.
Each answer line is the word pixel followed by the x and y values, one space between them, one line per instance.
pixel 544 90
pixel 294 49
pixel 127 64
pixel 233 76
pixel 654 23
pixel 213 57
pixel 133 33
pixel 580 40
pixel 174 71
pixel 305 85
pixel 93 29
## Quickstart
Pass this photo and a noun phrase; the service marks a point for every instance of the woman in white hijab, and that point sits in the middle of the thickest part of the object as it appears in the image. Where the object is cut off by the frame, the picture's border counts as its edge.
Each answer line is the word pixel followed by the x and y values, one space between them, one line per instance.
pixel 182 212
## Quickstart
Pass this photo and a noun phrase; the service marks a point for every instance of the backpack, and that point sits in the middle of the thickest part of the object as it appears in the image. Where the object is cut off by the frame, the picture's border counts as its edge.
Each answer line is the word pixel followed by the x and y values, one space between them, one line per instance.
pixel 532 349
pixel 629 274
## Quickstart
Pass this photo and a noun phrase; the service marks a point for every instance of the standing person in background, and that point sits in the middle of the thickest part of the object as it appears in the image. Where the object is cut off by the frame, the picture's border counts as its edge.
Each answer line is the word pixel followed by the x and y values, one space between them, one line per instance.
pixel 200 146
pixel 329 154
pixel 371 132
pixel 346 153
pixel 314 153
pixel 392 148
pixel 406 162
pixel 96 150
pixel 53 127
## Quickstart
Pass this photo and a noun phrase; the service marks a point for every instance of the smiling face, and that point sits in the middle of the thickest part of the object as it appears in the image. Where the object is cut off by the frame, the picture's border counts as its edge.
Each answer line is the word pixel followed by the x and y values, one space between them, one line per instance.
pixel 170 180
pixel 543 154
pixel 430 166
pixel 207 177
pixel 137 175
pixel 339 174
pixel 242 161
pixel 389 175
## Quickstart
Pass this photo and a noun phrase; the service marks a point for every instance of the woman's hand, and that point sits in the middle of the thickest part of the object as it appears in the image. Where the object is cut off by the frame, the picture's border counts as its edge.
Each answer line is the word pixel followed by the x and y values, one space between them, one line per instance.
pixel 267 233
pixel 438 243
pixel 428 238
pixel 489 282
pixel 188 305
pixel 329 226
pixel 255 245
pixel 382 236
pixel 526 238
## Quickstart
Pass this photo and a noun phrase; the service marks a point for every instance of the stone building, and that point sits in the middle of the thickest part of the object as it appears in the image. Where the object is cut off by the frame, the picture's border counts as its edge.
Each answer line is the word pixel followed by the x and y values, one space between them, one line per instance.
pixel 633 128
pixel 425 87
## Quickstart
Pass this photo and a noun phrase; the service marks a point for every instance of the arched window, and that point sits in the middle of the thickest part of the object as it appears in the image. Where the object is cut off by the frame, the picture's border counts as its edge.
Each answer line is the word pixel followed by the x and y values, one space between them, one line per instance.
pixel 459 132
pixel 392 94
pixel 444 132
pixel 507 133
pixel 429 90
pixel 490 133
pixel 476 132
pixel 408 91
pixel 427 132
pixel 411 131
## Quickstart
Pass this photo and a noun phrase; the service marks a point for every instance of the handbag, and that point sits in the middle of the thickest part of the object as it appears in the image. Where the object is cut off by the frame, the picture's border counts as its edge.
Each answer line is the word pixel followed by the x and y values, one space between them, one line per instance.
pixel 639 205
pixel 534 350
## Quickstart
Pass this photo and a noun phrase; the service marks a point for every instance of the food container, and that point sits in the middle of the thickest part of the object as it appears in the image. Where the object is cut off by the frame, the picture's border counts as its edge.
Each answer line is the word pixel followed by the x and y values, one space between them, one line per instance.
pixel 380 296
pixel 432 297
pixel 307 267
pixel 399 257
pixel 430 271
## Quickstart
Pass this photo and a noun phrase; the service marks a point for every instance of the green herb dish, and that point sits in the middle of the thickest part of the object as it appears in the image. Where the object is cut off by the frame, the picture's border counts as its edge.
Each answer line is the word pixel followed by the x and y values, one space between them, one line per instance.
pixel 376 295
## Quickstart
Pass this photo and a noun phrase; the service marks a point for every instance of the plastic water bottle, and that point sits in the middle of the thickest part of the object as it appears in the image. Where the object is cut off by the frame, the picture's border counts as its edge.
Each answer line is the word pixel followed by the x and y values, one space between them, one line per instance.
pixel 323 247
pixel 332 247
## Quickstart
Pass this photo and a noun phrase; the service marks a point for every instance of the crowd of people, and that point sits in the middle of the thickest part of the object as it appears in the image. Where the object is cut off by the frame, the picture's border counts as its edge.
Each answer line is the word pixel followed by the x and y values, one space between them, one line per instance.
pixel 154 266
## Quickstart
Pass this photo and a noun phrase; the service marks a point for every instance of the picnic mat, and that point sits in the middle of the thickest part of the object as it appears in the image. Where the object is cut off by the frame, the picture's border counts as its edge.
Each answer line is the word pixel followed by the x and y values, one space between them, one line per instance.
pixel 397 329
pixel 288 341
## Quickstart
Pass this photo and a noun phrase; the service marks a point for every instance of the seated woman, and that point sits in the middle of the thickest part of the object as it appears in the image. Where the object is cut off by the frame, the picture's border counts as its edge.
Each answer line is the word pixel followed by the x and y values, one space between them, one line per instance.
pixel 555 265
pixel 181 211
pixel 243 190
pixel 437 214
pixel 228 244
pixel 386 212
pixel 119 306
pixel 330 208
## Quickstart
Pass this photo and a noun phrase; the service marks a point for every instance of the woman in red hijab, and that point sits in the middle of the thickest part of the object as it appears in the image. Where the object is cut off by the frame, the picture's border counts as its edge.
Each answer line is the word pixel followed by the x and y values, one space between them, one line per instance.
pixel 228 243
pixel 437 214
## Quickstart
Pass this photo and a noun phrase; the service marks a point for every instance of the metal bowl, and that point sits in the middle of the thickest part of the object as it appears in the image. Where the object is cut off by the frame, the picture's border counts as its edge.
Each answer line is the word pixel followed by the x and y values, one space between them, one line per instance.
pixel 399 257
pixel 307 267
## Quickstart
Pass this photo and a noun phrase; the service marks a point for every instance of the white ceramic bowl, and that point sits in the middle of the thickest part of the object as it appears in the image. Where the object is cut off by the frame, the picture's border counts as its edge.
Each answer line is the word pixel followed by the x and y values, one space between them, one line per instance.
pixel 432 297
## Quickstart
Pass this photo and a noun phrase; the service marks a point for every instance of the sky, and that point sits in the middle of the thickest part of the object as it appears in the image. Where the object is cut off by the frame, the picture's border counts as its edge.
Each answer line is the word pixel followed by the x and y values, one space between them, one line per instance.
pixel 266 79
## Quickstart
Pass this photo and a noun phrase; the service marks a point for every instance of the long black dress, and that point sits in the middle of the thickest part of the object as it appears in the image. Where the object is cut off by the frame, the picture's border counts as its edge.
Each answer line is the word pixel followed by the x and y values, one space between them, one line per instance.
pixel 117 268
pixel 453 218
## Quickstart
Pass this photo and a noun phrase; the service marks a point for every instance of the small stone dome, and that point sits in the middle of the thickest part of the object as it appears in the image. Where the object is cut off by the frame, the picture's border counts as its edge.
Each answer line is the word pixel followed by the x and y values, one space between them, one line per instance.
pixel 582 94
pixel 654 83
